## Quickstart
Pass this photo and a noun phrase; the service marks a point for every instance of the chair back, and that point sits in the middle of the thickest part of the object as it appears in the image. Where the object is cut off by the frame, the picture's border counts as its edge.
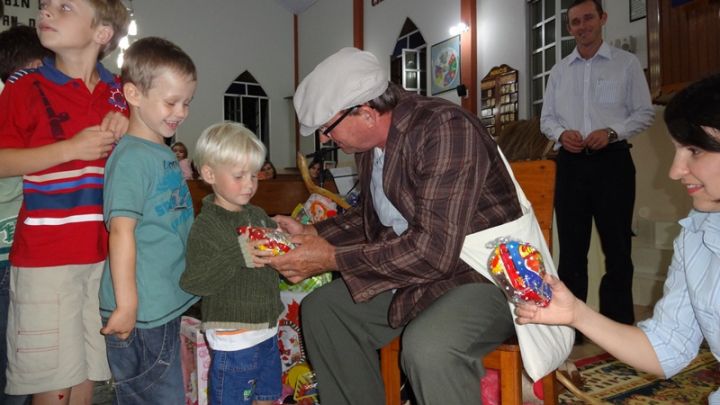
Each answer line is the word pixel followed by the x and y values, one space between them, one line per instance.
pixel 537 179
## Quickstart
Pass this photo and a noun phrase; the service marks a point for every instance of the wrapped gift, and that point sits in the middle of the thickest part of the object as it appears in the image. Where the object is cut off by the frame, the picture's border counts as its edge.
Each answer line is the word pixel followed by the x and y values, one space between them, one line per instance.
pixel 195 361
pixel 297 378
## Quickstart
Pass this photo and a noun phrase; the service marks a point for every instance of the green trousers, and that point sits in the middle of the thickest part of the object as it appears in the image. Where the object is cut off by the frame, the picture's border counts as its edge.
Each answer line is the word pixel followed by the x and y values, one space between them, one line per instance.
pixel 442 348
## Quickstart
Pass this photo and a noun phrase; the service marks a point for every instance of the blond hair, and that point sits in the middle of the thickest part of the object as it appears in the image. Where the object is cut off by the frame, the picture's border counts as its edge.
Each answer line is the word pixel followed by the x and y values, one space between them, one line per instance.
pixel 114 14
pixel 229 142
pixel 146 57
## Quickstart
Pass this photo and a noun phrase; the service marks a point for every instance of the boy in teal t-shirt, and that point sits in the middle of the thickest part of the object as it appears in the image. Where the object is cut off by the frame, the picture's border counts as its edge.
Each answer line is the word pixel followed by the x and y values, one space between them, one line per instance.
pixel 148 212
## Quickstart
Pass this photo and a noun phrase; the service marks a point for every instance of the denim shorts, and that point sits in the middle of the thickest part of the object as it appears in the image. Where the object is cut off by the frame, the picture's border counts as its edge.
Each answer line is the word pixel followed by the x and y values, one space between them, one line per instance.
pixel 146 367
pixel 244 376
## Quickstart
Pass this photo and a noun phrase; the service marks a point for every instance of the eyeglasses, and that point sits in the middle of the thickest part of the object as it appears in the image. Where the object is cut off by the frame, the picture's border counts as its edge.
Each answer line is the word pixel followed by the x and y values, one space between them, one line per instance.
pixel 337 122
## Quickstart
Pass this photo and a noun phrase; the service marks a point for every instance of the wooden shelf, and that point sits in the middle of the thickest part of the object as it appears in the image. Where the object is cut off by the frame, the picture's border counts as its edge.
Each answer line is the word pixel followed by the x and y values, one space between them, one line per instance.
pixel 499 98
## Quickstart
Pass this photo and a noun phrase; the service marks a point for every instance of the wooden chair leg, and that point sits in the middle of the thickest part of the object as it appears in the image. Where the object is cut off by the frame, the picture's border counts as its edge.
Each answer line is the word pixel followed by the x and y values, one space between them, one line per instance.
pixel 551 389
pixel 390 369
pixel 510 378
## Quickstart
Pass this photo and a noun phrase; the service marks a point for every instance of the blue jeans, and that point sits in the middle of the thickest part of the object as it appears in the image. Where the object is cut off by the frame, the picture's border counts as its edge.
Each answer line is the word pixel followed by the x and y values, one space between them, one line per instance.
pixel 146 367
pixel 244 376
pixel 4 303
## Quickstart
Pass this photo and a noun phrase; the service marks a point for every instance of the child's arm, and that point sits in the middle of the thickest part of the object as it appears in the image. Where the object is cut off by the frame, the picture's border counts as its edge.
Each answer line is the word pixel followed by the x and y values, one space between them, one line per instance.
pixel 122 270
pixel 91 143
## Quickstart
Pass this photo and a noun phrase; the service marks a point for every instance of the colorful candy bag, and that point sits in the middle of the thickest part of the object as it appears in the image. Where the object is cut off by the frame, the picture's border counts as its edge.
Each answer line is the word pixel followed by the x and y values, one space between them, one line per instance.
pixel 278 242
pixel 518 269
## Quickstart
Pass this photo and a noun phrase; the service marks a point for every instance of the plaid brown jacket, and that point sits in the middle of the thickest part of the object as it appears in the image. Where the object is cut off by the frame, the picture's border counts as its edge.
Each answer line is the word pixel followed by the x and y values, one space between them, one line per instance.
pixel 443 173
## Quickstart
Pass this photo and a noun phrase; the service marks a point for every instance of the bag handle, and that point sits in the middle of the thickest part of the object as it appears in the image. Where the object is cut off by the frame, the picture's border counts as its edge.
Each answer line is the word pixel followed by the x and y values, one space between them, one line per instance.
pixel 525 204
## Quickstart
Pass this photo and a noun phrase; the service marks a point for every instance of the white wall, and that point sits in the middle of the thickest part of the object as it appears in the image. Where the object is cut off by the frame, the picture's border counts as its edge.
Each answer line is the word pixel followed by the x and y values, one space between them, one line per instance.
pixel 324 28
pixel 225 38
pixel 433 18
pixel 501 40
pixel 618 26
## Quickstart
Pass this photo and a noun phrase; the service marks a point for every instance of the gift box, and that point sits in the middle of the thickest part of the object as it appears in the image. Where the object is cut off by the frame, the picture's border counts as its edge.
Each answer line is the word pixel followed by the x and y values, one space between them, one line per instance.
pixel 195 361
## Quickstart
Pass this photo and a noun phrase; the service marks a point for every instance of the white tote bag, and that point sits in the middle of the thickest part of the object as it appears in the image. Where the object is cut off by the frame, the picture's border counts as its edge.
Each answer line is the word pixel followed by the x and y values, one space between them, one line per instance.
pixel 543 347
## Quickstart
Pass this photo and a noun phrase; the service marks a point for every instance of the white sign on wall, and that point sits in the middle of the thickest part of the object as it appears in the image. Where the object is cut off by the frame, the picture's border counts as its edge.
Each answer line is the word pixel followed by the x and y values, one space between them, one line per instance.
pixel 19 12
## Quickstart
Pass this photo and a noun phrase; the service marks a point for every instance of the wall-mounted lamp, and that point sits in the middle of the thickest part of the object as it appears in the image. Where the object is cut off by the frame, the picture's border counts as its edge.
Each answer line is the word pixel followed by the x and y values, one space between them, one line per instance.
pixel 132 31
pixel 458 29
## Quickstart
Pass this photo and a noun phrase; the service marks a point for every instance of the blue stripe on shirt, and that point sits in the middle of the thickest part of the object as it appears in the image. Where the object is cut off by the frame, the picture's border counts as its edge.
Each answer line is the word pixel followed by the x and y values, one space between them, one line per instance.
pixel 79 198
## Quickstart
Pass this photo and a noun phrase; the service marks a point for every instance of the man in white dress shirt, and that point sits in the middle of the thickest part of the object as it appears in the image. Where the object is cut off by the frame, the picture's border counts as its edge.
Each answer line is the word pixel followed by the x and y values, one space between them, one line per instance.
pixel 596 99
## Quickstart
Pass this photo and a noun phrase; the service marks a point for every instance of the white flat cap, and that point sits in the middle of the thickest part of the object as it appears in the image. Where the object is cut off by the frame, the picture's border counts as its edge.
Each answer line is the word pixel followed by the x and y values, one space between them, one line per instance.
pixel 345 79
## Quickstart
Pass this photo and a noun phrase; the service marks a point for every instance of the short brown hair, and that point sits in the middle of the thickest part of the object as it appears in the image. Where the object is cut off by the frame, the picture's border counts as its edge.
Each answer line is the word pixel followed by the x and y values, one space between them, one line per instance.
pixel 147 56
pixel 114 14
pixel 19 46
pixel 598 6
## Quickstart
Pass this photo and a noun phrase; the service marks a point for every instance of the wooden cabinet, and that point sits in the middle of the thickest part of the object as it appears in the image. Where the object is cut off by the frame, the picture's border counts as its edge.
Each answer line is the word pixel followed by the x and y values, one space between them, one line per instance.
pixel 499 98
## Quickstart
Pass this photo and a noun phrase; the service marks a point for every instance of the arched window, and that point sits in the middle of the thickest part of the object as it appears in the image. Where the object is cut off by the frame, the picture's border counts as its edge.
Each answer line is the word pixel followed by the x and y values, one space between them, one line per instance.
pixel 247 102
pixel 409 58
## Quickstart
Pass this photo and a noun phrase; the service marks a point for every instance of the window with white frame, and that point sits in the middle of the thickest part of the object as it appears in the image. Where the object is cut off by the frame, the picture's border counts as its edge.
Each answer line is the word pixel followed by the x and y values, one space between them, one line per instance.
pixel 550 41
pixel 245 101
pixel 409 58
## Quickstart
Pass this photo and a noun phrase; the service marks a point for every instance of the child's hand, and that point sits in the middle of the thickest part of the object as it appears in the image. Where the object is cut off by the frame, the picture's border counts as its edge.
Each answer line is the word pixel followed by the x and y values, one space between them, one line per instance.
pixel 116 123
pixel 91 143
pixel 120 324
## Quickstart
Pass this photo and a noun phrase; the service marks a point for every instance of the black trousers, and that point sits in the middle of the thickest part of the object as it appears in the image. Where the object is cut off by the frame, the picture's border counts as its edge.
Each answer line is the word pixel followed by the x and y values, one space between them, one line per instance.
pixel 597 186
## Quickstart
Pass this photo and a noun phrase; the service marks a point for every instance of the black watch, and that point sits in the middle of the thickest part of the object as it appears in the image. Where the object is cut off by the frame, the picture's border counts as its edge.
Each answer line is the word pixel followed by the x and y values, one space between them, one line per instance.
pixel 612 135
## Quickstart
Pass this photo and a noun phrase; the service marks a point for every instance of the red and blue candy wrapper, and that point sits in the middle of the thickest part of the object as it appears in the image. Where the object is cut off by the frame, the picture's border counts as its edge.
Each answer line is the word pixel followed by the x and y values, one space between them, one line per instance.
pixel 518 269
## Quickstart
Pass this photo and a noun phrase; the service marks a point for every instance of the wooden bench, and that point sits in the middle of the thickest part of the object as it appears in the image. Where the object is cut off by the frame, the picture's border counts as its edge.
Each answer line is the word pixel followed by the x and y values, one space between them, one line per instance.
pixel 276 196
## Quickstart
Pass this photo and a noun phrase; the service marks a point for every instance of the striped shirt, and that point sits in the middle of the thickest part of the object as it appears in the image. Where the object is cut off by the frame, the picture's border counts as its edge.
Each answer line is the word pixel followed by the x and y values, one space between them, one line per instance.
pixel 689 310
pixel 60 221
pixel 442 173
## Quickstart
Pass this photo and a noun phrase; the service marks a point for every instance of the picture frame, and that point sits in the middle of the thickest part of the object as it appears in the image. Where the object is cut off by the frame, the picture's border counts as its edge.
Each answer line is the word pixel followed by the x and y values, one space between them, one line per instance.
pixel 445 74
pixel 638 10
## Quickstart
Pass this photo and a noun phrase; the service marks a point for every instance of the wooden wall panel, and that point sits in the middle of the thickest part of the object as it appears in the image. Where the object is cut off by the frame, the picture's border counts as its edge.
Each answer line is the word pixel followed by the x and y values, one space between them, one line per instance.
pixel 683 44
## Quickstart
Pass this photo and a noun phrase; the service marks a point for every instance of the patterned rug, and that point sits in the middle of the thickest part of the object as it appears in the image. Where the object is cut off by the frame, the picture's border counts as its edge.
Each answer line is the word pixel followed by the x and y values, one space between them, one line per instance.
pixel 614 382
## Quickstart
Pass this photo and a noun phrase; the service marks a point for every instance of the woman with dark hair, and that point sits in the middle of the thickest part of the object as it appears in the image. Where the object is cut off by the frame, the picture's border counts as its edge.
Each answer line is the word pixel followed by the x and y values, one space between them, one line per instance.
pixel 689 311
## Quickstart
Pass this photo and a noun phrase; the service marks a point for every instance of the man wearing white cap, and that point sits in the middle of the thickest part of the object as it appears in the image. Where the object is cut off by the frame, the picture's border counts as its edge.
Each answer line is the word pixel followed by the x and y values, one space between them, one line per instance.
pixel 429 175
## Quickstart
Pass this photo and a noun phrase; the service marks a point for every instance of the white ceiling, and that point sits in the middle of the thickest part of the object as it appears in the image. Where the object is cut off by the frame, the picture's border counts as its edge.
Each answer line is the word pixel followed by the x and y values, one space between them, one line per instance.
pixel 296 6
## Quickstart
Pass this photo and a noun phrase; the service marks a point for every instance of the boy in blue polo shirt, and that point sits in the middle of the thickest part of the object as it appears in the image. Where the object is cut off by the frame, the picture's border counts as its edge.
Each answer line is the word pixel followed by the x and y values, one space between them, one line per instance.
pixel 57 126
pixel 148 211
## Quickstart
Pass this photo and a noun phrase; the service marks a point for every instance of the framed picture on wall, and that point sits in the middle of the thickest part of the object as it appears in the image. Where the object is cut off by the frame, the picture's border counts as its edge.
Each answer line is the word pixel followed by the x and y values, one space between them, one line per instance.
pixel 445 65
pixel 638 10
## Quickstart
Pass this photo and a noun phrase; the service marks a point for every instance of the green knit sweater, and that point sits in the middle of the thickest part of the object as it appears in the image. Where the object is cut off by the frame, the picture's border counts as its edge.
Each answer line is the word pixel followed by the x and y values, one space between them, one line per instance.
pixel 234 295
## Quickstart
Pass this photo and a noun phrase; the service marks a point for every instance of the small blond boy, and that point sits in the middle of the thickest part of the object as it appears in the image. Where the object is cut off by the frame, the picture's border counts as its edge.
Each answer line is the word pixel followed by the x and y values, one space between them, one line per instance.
pixel 148 211
pixel 241 304
pixel 57 126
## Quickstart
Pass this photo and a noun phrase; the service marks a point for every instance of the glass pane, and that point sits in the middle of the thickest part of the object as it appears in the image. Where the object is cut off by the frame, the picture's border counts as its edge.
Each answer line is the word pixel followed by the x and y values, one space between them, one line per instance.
pixel 416 40
pixel 537 65
pixel 537 88
pixel 537 38
pixel 563 25
pixel 410 59
pixel 565 4
pixel 535 12
pixel 549 58
pixel 411 80
pixel 549 8
pixel 550 32
pixel 567 47
pixel 537 109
